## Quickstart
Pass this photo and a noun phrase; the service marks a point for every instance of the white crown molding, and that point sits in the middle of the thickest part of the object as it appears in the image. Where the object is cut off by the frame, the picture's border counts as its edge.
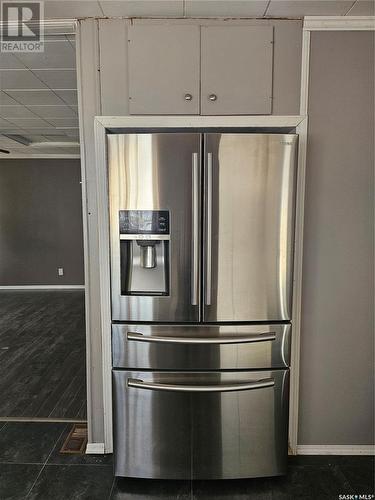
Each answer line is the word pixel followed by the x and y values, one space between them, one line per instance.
pixel 11 156
pixel 339 23
pixel 42 287
pixel 345 449
pixel 51 26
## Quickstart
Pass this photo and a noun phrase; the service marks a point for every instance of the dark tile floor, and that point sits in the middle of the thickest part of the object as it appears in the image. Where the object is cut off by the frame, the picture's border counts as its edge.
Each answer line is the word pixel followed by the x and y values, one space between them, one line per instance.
pixel 31 467
pixel 42 354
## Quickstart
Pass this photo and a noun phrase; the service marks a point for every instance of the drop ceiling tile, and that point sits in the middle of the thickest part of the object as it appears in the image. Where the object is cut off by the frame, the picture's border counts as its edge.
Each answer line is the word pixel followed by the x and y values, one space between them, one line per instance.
pixel 37 97
pixel 12 130
pixel 10 61
pixel 57 138
pixel 41 150
pixel 71 9
pixel 129 8
pixel 44 131
pixel 58 78
pixel 19 79
pixel 72 40
pixel 20 154
pixel 55 38
pixel 68 96
pixel 217 8
pixel 70 132
pixel 5 142
pixel 5 123
pixel 363 8
pixel 73 150
pixel 17 146
pixel 63 122
pixel 57 54
pixel 299 8
pixel 6 99
pixel 30 123
pixel 35 138
pixel 18 111
pixel 53 111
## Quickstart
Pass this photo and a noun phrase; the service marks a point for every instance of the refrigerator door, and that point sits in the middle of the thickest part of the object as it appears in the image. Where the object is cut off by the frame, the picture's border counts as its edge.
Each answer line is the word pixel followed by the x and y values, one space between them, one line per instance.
pixel 249 226
pixel 154 195
pixel 201 425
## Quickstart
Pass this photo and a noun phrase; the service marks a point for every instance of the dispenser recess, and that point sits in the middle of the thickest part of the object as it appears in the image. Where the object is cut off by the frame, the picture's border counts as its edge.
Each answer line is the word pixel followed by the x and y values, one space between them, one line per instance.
pixel 144 243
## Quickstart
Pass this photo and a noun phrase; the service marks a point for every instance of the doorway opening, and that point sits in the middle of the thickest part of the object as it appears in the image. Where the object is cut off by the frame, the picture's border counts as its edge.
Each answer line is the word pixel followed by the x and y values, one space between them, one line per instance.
pixel 42 302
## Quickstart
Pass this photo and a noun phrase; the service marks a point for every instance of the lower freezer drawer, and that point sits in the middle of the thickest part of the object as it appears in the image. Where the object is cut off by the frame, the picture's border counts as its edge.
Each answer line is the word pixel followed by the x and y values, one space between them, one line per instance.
pixel 200 425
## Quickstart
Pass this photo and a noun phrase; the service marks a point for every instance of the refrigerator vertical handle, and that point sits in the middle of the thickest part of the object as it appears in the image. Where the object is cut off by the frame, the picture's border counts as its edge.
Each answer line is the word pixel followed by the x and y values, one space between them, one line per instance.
pixel 209 231
pixel 195 230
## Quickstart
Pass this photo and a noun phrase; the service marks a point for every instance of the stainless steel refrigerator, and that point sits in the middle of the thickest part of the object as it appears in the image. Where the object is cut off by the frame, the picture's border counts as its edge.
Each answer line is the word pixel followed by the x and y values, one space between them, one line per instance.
pixel 202 229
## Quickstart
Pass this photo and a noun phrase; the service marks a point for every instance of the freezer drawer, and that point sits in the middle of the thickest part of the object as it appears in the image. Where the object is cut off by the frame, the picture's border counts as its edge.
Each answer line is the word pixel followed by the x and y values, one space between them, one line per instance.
pixel 200 347
pixel 213 425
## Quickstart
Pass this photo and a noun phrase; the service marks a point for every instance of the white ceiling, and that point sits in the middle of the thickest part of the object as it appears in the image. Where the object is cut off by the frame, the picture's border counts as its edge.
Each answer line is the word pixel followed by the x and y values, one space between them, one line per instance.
pixel 38 99
pixel 206 8
pixel 38 91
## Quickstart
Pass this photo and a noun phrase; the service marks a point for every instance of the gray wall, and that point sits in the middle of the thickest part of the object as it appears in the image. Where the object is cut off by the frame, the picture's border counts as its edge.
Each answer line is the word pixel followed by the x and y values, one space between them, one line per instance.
pixel 337 364
pixel 40 222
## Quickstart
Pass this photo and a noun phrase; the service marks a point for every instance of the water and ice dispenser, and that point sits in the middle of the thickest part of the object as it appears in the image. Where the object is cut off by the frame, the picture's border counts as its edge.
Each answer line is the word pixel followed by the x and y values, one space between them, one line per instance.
pixel 144 242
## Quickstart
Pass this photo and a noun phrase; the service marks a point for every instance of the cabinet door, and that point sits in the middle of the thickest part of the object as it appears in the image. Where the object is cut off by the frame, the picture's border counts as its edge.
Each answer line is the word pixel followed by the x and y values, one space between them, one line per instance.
pixel 164 70
pixel 236 69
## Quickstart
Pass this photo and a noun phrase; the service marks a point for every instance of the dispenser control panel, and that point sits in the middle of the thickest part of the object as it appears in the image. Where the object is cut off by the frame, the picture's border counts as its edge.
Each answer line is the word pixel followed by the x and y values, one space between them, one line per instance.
pixel 144 221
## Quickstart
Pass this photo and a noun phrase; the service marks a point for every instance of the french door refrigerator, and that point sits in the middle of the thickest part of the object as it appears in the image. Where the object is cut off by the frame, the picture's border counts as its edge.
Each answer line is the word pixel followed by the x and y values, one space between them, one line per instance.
pixel 201 232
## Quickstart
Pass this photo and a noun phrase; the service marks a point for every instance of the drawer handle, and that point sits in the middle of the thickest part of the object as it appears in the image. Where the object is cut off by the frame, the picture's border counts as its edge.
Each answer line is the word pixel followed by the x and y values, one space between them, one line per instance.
pixel 152 386
pixel 254 337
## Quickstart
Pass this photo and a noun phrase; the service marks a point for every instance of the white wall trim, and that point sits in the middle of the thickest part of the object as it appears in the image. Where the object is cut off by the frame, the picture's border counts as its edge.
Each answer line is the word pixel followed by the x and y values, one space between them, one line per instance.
pixel 104 277
pixel 95 449
pixel 339 23
pixel 301 130
pixel 191 121
pixel 305 69
pixel 80 58
pixel 331 449
pixel 131 122
pixel 42 287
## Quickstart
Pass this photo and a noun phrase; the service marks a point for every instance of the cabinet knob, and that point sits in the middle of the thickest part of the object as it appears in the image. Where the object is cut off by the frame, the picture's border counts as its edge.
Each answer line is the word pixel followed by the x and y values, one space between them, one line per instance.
pixel 188 97
pixel 212 97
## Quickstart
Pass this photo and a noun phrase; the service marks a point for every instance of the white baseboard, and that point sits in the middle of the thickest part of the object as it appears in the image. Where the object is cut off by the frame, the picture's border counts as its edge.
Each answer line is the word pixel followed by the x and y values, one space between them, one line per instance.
pixel 42 287
pixel 95 449
pixel 345 449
